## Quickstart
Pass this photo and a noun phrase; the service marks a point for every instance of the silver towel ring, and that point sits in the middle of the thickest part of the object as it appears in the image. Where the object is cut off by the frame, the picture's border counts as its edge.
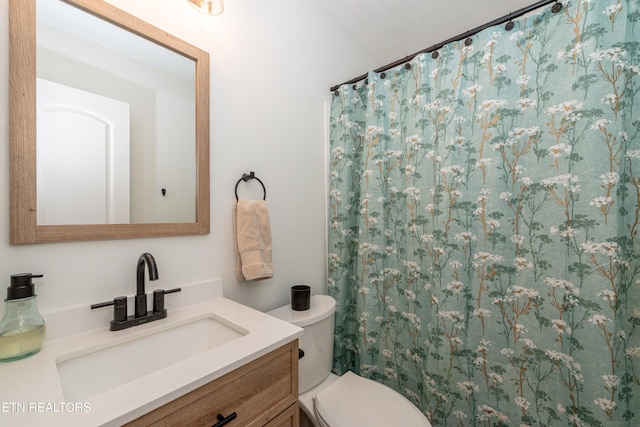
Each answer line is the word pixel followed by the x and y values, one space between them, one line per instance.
pixel 248 177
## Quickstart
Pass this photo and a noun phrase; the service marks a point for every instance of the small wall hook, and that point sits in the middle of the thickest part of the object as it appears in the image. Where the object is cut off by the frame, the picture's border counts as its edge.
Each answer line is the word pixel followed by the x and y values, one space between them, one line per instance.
pixel 246 177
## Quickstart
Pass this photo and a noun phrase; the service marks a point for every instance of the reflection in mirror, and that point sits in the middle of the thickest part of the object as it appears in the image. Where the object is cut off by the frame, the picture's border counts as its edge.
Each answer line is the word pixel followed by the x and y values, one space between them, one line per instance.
pixel 120 111
pixel 98 85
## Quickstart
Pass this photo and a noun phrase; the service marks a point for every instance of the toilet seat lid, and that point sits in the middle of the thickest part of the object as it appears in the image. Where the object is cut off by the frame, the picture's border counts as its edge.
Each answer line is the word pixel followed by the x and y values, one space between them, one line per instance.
pixel 356 401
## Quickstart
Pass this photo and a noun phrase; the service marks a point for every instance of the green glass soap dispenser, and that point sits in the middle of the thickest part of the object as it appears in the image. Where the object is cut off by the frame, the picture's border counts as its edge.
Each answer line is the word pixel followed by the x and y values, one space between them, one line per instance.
pixel 22 327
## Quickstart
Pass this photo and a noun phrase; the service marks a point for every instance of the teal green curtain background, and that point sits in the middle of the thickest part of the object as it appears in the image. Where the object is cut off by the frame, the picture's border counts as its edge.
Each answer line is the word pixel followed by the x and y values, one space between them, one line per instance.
pixel 483 223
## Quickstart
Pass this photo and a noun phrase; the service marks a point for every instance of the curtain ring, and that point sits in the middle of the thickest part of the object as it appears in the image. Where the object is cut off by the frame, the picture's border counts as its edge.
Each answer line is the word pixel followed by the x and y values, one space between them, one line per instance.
pixel 509 25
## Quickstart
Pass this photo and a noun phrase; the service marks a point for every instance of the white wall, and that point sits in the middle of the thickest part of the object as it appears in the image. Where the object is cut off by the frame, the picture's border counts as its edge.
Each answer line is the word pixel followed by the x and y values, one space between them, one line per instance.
pixel 271 66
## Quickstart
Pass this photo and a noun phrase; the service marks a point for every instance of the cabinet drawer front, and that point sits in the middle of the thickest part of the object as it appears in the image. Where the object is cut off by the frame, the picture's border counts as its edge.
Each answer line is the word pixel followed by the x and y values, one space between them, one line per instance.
pixel 256 392
pixel 289 418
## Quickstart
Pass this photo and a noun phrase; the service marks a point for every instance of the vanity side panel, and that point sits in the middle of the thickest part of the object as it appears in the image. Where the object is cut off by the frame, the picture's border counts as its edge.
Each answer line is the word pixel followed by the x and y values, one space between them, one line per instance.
pixel 257 392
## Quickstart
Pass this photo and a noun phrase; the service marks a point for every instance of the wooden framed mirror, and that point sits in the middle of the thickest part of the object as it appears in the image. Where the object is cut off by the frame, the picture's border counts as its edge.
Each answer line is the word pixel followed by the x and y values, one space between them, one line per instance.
pixel 170 196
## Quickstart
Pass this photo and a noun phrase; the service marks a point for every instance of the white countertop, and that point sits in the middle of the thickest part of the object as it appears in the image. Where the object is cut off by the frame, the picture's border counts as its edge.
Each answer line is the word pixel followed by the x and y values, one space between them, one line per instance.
pixel 30 389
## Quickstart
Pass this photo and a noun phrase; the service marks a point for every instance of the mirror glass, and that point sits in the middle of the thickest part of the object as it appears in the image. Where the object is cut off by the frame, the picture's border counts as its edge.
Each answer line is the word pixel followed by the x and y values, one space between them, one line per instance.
pixel 110 125
pixel 115 123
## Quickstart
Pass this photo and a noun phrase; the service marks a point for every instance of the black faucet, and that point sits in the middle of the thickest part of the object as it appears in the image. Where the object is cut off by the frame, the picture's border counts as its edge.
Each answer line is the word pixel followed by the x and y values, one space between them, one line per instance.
pixel 141 315
pixel 141 295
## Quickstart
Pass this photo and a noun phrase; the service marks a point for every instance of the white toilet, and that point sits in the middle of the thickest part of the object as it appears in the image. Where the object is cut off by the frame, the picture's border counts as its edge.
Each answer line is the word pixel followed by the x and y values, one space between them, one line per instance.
pixel 347 401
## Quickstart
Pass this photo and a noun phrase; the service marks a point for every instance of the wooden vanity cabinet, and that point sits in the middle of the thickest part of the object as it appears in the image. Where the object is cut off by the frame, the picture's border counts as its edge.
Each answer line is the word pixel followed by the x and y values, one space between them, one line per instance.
pixel 261 393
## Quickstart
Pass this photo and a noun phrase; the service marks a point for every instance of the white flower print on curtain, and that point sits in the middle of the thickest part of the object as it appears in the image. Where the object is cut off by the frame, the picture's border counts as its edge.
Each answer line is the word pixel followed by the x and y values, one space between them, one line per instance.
pixel 484 216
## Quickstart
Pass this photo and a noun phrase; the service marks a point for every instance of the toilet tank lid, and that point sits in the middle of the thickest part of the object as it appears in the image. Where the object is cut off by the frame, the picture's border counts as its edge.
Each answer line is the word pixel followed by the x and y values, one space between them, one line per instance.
pixel 320 307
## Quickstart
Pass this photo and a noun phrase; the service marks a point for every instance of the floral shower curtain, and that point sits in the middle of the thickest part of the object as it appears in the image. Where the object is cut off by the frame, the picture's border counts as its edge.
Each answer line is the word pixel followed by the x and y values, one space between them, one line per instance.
pixel 484 217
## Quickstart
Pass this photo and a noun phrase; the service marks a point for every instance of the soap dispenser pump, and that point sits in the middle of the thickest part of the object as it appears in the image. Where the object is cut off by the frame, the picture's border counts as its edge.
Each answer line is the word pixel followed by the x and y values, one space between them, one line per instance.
pixel 22 328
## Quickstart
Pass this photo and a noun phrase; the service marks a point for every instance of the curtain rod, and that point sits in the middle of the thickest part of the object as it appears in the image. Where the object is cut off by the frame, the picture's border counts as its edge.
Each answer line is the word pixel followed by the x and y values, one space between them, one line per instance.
pixel 506 18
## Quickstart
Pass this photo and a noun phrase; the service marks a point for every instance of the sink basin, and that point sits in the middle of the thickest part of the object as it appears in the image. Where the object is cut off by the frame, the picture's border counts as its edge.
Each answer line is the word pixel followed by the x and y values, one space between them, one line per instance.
pixel 95 370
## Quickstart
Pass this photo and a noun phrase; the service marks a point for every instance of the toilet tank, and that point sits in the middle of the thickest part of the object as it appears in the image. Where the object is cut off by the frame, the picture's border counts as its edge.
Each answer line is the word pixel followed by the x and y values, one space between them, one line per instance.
pixel 317 342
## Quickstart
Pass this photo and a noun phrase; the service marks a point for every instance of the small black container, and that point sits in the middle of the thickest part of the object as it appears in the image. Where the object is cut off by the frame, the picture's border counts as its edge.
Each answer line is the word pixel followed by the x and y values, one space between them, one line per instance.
pixel 300 297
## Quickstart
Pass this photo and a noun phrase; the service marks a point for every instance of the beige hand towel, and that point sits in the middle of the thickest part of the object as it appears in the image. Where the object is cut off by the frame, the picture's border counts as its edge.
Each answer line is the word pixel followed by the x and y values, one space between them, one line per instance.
pixel 252 240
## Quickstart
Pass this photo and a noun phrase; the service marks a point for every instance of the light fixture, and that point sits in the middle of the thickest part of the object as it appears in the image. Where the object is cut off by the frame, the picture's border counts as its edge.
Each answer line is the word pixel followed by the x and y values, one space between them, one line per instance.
pixel 209 7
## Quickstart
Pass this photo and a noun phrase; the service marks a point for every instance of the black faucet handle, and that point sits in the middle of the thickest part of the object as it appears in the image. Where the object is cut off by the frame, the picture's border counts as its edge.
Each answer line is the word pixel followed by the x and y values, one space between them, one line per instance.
pixel 119 308
pixel 101 304
pixel 158 298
